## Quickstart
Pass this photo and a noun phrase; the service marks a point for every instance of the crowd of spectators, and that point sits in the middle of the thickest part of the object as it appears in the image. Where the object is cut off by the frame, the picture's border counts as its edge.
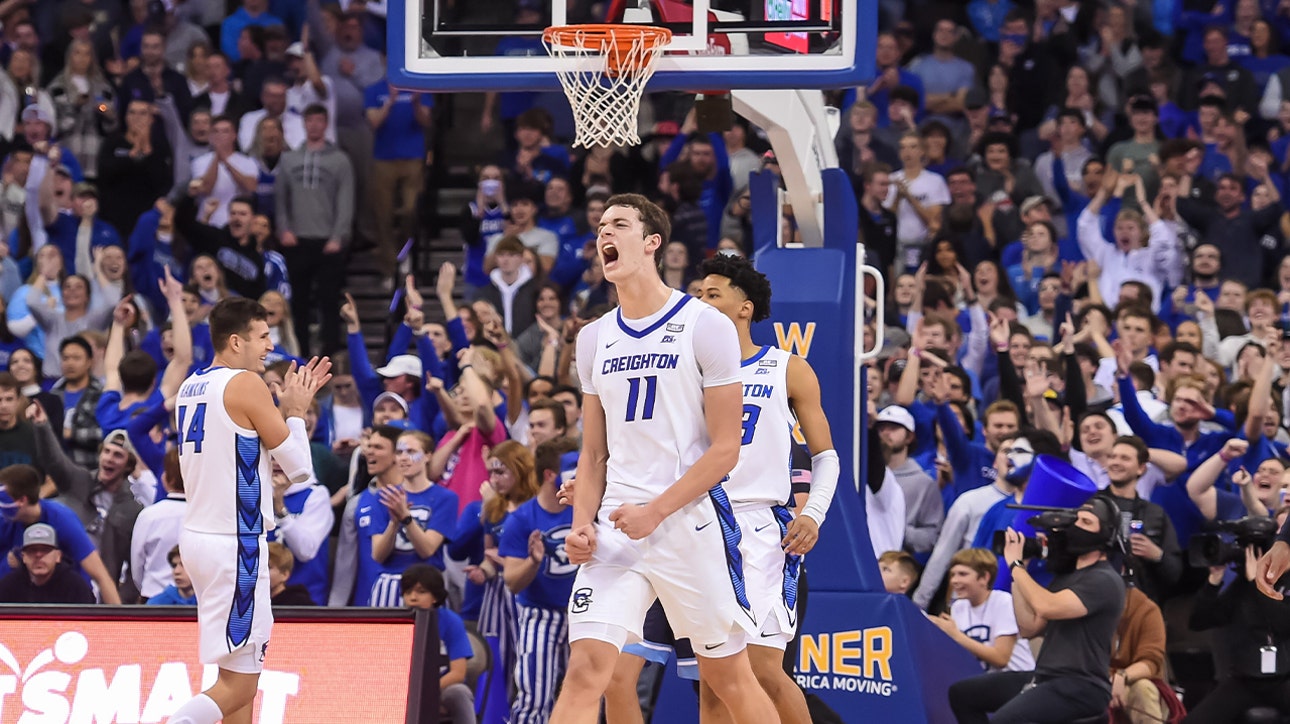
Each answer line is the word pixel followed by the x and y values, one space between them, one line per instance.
pixel 1077 206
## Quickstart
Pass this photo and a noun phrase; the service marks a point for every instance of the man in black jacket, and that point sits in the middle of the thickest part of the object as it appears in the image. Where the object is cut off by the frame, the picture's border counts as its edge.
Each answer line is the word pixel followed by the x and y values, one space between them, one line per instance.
pixel 877 222
pixel 512 289
pixel 43 577
pixel 232 247
pixel 153 78
pixel 1152 555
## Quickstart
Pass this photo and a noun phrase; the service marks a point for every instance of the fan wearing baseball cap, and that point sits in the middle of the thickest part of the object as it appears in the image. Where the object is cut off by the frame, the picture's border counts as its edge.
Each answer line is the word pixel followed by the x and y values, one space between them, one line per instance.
pixel 924 511
pixel 43 577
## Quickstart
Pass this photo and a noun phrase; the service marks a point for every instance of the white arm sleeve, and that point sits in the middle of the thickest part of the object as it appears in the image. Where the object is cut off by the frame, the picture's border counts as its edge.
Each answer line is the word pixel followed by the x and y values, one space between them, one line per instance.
pixel 716 348
pixel 293 454
pixel 825 469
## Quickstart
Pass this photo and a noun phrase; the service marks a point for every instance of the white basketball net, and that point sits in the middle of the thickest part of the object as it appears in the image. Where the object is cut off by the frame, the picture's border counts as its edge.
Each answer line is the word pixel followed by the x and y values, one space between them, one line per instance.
pixel 605 104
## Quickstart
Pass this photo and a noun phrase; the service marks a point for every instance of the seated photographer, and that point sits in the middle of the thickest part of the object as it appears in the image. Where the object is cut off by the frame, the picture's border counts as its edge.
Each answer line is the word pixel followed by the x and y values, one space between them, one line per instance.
pixel 1077 614
pixel 1153 559
pixel 1256 632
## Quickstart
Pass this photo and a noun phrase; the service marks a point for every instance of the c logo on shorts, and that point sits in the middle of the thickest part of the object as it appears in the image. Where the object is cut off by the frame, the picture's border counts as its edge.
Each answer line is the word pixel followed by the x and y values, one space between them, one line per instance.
pixel 581 600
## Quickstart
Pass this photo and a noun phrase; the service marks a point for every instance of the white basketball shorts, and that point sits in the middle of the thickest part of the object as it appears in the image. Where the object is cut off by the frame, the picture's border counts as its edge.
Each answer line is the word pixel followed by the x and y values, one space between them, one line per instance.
pixel 770 574
pixel 230 576
pixel 691 563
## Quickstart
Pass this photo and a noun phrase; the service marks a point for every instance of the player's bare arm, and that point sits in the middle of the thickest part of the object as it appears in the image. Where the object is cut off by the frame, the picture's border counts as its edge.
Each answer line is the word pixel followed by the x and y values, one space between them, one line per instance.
pixel 590 474
pixel 804 398
pixel 181 334
pixel 723 411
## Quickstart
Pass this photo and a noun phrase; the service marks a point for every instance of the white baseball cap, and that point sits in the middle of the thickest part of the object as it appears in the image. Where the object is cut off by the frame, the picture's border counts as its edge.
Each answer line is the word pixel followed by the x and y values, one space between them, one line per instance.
pixel 404 364
pixel 896 415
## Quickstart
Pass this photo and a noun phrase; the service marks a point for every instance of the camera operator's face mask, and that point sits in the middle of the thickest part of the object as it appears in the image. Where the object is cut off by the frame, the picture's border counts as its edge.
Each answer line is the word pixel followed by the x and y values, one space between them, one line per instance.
pixel 1066 545
pixel 1021 460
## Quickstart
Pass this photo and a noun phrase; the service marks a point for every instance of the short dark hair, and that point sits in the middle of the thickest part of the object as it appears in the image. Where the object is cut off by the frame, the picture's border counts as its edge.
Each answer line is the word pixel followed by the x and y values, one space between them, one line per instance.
pixel 389 432
pixel 429 578
pixel 547 455
pixel 653 218
pixel 221 118
pixel 998 138
pixel 528 386
pixel 138 371
pixel 905 93
pixel 1135 442
pixel 231 316
pixel 1171 350
pixel 76 341
pixel 577 393
pixel 1074 114
pixel 743 276
pixel 555 408
pixel 316 109
pixel 537 119
pixel 689 186
pixel 1143 376
pixel 22 482
pixel 172 555
pixel 9 382
pixel 871 169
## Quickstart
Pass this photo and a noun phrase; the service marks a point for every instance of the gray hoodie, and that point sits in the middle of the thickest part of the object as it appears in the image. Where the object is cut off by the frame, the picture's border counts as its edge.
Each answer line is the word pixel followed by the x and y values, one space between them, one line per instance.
pixel 314 193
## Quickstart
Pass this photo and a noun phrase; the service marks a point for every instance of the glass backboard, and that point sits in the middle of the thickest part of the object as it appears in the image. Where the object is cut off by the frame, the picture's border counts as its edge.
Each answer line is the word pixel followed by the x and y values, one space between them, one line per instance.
pixel 455 45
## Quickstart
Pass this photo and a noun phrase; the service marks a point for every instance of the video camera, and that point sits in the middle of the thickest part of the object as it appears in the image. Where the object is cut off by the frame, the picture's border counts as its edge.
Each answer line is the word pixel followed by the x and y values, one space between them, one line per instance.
pixel 1049 520
pixel 1226 543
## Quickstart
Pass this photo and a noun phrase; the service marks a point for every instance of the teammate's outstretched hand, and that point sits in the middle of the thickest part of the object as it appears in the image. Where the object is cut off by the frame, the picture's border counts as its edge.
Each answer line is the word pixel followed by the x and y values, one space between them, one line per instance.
pixel 803 531
pixel 637 521
pixel 1272 566
pixel 580 544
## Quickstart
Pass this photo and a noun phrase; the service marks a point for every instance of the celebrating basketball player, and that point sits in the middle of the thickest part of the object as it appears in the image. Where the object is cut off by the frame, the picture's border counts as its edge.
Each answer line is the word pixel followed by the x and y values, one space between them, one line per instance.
pixel 778 388
pixel 229 428
pixel 661 429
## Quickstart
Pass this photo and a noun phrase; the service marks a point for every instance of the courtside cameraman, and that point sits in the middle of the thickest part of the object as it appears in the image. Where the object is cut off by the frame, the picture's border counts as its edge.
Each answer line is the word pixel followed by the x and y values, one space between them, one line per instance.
pixel 1077 615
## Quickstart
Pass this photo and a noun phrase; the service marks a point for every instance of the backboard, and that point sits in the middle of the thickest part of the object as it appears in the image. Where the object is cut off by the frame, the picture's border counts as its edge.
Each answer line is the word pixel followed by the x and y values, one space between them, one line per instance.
pixel 456 45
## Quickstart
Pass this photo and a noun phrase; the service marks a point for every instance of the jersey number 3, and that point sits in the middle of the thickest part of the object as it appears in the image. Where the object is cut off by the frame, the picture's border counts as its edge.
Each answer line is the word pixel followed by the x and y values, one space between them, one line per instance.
pixel 196 430
pixel 751 413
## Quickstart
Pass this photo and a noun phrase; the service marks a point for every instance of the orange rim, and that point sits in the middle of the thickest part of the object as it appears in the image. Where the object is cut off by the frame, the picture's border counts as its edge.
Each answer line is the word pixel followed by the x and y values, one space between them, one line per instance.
pixel 614 41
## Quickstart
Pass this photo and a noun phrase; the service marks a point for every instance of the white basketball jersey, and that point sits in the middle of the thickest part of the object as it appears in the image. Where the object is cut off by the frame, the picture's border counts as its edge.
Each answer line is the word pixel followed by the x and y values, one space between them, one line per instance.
pixel 763 475
pixel 225 467
pixel 651 388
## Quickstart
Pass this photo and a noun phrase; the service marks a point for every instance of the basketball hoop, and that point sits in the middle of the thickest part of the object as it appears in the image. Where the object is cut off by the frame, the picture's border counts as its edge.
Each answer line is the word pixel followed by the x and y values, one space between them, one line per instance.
pixel 610 66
